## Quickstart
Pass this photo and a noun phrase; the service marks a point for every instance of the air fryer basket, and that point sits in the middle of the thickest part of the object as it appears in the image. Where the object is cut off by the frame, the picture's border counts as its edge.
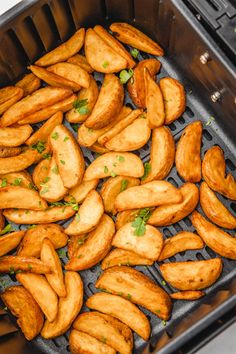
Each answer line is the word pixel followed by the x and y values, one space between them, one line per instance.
pixel 35 27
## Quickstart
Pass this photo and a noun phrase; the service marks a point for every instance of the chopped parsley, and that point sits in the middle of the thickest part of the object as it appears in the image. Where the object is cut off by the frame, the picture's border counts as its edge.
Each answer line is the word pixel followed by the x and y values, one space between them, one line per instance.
pixel 113 174
pixel 62 162
pixel 46 179
pixel 55 170
pixel 47 156
pixel 55 136
pixel 163 282
pixel 66 138
pixel 134 52
pixel 44 190
pixel 105 64
pixel 124 184
pixel 39 146
pixel 139 223
pixel 30 267
pixel 11 270
pixel 103 340
pixel 129 297
pixel 61 253
pixel 77 217
pixel 17 182
pixel 106 169
pixel 120 158
pixel 125 75
pixel 158 311
pixel 147 170
pixel 31 186
pixel 210 120
pixel 163 323
pixel 90 130
pixel 81 241
pixel 4 182
pixel 81 106
pixel 6 229
pixel 75 127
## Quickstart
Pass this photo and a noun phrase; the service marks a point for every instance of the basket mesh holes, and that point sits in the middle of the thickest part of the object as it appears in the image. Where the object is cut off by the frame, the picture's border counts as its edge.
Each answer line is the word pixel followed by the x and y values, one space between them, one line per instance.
pixel 199 256
pixel 130 105
pixel 230 164
pixel 99 83
pixel 172 181
pixel 210 252
pixel 167 232
pixel 172 127
pixel 188 112
pixel 181 120
pixel 233 207
pixel 92 288
pixel 68 348
pixel 207 135
pixel 187 222
pixel 177 227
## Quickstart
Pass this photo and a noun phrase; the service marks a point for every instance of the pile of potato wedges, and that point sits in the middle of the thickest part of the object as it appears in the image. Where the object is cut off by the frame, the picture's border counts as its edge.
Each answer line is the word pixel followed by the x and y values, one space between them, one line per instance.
pixel 114 205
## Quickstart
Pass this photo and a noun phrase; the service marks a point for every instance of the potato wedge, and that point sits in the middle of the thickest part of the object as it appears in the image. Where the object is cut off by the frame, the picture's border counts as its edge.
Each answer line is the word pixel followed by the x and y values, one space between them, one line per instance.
pixel 2 221
pixel 112 187
pixel 22 305
pixel 9 151
pixel 101 56
pixel 75 243
pixel 69 307
pixel 148 195
pixel 19 162
pixel 38 100
pixel 95 248
pixel 182 241
pixel 192 275
pixel 21 178
pixel 187 295
pixel 188 153
pixel 89 97
pixel 71 72
pixel 170 214
pixel 124 164
pixel 10 241
pixel 29 83
pixel 148 246
pixel 115 333
pixel 214 209
pixel 40 172
pixel 99 149
pixel 132 36
pixel 14 136
pixel 39 216
pixel 118 257
pixel 133 137
pixel 21 198
pixel 213 172
pixel 63 51
pixel 8 96
pixel 88 216
pixel 129 283
pixel 68 156
pixel 218 240
pixel 109 103
pixel 121 309
pixel 32 241
pixel 136 89
pixel 81 60
pixel 80 192
pixel 83 343
pixel 11 264
pixel 42 293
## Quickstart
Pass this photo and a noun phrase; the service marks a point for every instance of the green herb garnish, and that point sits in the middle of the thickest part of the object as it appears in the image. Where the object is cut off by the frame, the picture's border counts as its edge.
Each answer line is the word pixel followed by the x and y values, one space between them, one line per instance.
pixel 147 170
pixel 4 182
pixel 125 75
pixel 106 169
pixel 81 106
pixel 61 253
pixel 55 170
pixel 120 158
pixel 66 138
pixel 103 340
pixel 39 146
pixel 105 64
pixel 6 229
pixel 17 182
pixel 113 174
pixel 129 297
pixel 62 162
pixel 55 136
pixel 140 221
pixel 75 127
pixel 77 217
pixel 47 156
pixel 124 184
pixel 134 52
pixel 210 120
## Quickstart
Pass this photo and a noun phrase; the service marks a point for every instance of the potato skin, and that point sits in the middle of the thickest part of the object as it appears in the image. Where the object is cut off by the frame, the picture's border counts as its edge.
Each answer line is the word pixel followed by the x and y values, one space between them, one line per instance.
pixel 118 257
pixel 187 295
pixel 81 342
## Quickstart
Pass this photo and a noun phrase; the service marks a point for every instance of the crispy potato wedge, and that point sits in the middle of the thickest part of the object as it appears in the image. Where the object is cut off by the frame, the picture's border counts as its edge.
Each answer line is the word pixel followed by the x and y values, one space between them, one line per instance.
pixel 136 89
pixel 8 96
pixel 22 305
pixel 99 149
pixel 95 248
pixel 80 192
pixel 112 187
pixel 2 221
pixel 170 214
pixel 88 216
pixel 129 283
pixel 38 100
pixel 188 153
pixel 148 195
pixel 148 246
pixel 42 293
pixel 101 56
pixel 182 241
pixel 14 136
pixel 81 342
pixel 220 241
pixel 11 264
pixel 213 172
pixel 10 241
pixel 29 83
pixel 50 257
pixel 32 242
pixel 134 37
pixel 109 103
pixel 71 72
pixel 68 156
pixel 69 307
pixel 21 178
pixel 133 137
pixel 81 60
pixel 89 96
pixel 118 257
pixel 214 209
pixel 154 101
pixel 19 162
pixel 63 51
pixel 21 198
pixel 75 243
pixel 124 164
pixel 174 98
pixel 192 275
pixel 39 216
pixel 188 295
pixel 116 334
pixel 121 309
pixel 40 172
pixel 9 151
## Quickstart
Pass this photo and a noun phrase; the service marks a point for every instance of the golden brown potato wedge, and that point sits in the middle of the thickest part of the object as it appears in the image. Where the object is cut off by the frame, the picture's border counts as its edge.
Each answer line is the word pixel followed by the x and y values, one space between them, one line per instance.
pixel 113 163
pixel 213 172
pixel 182 241
pixel 21 178
pixel 87 97
pixel 214 209
pixel 80 192
pixel 81 342
pixel 115 333
pixel 118 257
pixel 71 72
pixel 188 153
pixel 74 243
pixel 68 156
pixel 95 248
pixel 8 96
pixel 101 56
pixel 220 241
pixel 68 308
pixel 10 241
pixel 112 187
pixel 19 162
pixel 188 295
pixel 22 305
pixel 109 103
pixel 32 242
pixel 88 216
pixel 170 214
pixel 14 136
pixel 137 287
pixel 136 87
pixel 40 172
pixel 121 309
pixel 99 149
pixel 21 198
pixel 11 264
pixel 192 275
pixel 29 83
pixel 9 151
pixel 134 37
pixel 81 60
pixel 149 245
pixel 42 293
pixel 174 98
pixel 63 51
